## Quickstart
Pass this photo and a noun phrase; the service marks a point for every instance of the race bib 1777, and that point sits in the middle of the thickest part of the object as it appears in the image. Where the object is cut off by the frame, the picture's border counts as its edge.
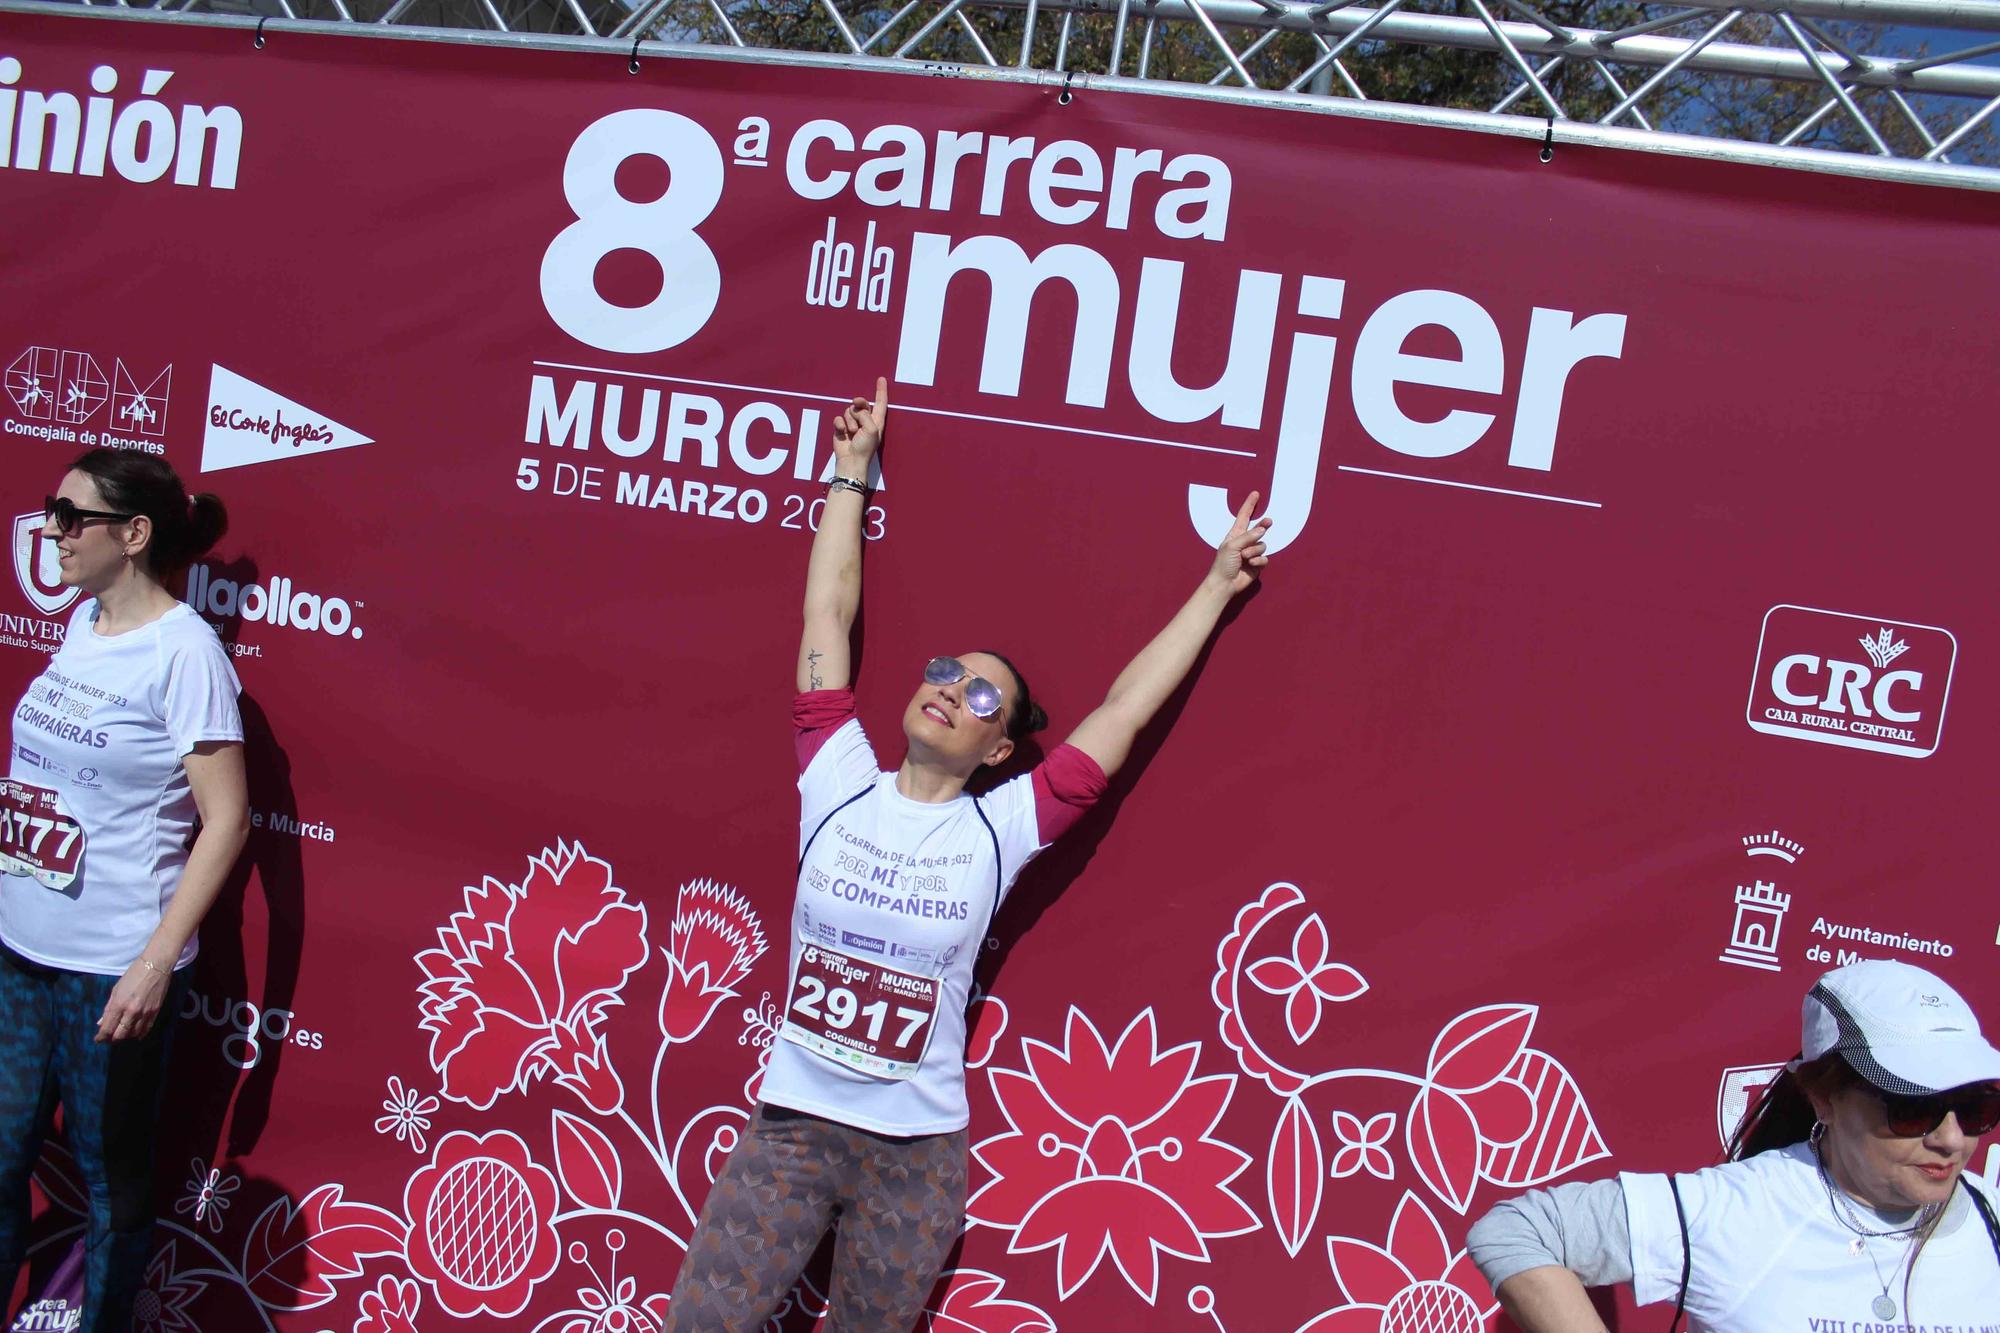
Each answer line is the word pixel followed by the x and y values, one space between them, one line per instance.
pixel 38 836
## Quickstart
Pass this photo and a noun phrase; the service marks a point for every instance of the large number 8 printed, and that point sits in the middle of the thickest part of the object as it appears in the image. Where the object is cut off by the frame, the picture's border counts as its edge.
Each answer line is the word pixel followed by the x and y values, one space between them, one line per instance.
pixel 691 282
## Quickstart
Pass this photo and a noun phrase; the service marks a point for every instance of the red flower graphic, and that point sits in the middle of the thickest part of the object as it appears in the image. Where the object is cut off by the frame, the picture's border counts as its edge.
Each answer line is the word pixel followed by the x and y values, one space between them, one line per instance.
pixel 985 1024
pixel 1364 1146
pixel 1231 972
pixel 971 1303
pixel 1417 1285
pixel 1469 1103
pixel 583 1065
pixel 1108 1151
pixel 296 1252
pixel 390 1308
pixel 714 941
pixel 1307 979
pixel 162 1304
pixel 1562 1136
pixel 480 1229
pixel 619 1312
pixel 522 976
pixel 620 1316
pixel 610 1304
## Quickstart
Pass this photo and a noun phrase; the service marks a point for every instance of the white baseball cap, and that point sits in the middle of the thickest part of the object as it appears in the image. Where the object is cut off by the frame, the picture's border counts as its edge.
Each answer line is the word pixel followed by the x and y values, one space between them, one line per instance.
pixel 1897 1026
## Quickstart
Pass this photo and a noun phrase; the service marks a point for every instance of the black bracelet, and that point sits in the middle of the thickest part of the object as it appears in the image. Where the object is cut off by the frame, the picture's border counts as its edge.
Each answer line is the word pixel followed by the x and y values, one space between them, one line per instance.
pixel 861 488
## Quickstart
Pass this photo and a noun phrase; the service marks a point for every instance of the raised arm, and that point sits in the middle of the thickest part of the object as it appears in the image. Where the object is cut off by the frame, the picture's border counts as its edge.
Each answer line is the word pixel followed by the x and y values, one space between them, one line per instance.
pixel 1151 677
pixel 833 573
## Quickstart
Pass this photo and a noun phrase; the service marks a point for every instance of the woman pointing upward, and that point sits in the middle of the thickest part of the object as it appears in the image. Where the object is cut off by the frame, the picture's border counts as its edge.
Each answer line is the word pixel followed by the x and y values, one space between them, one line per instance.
pixel 862 1122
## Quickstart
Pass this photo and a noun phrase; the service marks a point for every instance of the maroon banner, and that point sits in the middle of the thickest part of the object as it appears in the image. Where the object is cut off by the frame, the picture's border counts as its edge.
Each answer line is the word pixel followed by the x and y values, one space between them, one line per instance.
pixel 1626 656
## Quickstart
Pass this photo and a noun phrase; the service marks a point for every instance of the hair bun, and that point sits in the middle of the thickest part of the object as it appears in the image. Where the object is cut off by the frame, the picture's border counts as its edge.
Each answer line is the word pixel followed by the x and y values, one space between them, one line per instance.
pixel 207 521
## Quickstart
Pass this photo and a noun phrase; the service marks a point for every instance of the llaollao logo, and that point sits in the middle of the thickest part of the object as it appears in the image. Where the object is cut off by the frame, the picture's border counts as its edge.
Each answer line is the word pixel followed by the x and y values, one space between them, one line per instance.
pixel 35 567
pixel 276 601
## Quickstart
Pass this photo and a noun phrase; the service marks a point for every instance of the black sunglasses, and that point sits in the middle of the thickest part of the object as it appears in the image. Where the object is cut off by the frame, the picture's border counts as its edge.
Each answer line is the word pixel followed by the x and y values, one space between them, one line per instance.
pixel 1977 1109
pixel 70 520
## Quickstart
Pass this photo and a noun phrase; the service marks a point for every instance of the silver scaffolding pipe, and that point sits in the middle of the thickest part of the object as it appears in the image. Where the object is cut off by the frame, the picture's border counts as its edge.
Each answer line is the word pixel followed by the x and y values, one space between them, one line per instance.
pixel 1529 129
pixel 1470 34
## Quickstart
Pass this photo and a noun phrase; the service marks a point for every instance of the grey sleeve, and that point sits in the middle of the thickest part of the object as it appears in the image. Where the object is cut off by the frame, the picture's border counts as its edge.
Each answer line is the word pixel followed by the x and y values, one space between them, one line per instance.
pixel 1580 1226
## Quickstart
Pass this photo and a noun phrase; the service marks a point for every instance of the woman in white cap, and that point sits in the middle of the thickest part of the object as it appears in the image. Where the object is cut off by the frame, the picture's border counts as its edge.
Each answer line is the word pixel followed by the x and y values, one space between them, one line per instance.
pixel 1845 1204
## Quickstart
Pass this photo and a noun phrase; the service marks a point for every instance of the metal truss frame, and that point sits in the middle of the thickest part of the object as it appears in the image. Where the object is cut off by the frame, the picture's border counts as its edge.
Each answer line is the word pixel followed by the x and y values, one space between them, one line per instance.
pixel 1894 118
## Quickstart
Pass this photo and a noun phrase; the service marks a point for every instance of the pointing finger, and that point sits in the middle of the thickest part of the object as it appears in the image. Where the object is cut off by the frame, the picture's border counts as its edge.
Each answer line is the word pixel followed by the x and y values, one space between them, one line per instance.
pixel 881 396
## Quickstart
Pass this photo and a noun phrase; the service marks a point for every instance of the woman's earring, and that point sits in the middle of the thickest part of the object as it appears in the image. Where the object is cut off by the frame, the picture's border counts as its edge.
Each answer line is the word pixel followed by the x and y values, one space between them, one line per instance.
pixel 1818 1133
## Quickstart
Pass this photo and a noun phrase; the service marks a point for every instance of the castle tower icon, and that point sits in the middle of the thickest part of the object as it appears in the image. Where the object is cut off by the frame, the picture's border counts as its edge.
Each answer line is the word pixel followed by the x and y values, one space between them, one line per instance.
pixel 1760 913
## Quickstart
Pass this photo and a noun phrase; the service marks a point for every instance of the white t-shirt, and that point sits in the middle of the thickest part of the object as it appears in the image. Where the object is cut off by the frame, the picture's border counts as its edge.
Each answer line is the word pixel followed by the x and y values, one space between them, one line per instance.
pixel 105 726
pixel 1769 1256
pixel 907 884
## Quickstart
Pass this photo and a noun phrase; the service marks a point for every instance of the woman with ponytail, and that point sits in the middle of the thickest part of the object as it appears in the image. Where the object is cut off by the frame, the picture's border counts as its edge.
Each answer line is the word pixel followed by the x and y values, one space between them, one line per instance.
pixel 1845 1202
pixel 123 812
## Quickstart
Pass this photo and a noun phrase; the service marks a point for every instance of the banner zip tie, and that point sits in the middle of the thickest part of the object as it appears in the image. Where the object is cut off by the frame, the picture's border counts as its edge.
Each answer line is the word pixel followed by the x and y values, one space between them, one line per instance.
pixel 260 31
pixel 1064 97
pixel 1549 140
pixel 633 68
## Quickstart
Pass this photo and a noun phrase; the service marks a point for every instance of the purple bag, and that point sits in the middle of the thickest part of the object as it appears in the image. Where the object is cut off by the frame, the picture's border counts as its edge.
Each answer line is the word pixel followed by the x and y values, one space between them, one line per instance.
pixel 59 1307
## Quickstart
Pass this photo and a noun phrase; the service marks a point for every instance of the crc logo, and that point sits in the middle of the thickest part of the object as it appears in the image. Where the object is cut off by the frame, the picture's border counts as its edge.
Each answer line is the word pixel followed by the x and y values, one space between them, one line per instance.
pixel 1860 681
pixel 51 384
pixel 36 568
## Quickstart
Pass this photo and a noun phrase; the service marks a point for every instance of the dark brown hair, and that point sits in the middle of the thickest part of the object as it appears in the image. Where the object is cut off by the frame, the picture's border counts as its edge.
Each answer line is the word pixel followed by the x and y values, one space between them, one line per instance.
pixel 134 483
pixel 1783 1113
pixel 1026 716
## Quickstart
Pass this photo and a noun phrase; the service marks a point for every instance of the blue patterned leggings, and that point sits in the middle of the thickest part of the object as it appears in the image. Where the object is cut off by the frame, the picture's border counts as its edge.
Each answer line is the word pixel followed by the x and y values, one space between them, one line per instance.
pixel 110 1095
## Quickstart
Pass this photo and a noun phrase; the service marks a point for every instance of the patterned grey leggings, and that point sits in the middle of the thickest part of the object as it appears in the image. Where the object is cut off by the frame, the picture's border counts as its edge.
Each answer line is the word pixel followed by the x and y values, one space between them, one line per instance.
pixel 898 1204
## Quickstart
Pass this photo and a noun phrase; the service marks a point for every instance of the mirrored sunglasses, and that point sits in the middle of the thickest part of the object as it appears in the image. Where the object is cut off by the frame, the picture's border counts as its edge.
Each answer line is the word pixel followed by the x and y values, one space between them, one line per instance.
pixel 70 520
pixel 982 696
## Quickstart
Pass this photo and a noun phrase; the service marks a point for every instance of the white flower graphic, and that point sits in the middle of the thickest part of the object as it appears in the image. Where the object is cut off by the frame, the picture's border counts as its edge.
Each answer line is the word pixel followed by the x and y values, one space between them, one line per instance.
pixel 1364 1145
pixel 409 1114
pixel 207 1196
pixel 1308 979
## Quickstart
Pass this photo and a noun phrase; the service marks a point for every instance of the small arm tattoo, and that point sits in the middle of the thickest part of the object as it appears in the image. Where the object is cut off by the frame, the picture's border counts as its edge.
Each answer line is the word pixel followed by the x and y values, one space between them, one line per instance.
pixel 812 667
